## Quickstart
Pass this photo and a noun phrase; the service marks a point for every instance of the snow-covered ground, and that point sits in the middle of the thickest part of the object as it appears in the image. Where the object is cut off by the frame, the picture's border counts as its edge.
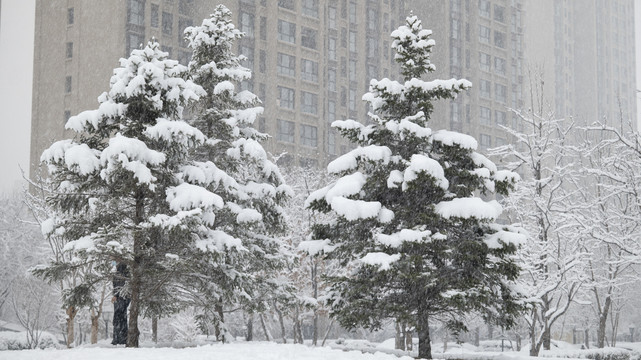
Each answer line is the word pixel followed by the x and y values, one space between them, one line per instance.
pixel 236 351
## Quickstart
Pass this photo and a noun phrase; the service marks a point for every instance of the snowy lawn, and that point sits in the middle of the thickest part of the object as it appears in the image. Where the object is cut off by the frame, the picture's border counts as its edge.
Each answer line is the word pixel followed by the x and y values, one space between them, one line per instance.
pixel 237 351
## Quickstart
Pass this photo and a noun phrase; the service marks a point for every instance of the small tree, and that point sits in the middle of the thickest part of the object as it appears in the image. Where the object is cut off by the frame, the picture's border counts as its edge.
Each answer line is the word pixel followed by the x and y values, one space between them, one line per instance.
pixel 421 244
pixel 544 203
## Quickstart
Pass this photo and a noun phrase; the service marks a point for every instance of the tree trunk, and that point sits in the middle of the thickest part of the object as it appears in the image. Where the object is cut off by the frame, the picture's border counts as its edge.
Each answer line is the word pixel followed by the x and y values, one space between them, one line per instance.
pixel 534 345
pixel 268 336
pixel 95 321
pixel 399 342
pixel 407 334
pixel 250 327
pixel 603 318
pixel 315 287
pixel 615 330
pixel 424 344
pixel 329 327
pixel 154 329
pixel 71 316
pixel 547 337
pixel 281 321
pixel 136 272
pixel 220 324
pixel 445 339
pixel 477 336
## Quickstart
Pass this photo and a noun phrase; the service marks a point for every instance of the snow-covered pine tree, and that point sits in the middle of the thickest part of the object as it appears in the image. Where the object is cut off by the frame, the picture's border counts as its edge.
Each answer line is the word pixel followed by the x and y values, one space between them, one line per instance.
pixel 119 196
pixel 417 239
pixel 233 163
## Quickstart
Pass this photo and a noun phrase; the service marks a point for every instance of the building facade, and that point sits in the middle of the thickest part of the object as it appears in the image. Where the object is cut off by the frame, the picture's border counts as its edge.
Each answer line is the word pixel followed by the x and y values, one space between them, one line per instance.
pixel 585 58
pixel 311 61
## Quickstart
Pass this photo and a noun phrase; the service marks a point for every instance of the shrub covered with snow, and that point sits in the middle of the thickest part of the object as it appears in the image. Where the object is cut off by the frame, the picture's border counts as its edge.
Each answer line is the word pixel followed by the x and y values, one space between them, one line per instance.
pixel 10 340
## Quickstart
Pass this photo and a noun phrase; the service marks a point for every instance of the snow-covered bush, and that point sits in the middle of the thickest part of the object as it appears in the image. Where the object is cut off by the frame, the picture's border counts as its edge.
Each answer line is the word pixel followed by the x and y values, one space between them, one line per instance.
pixel 10 340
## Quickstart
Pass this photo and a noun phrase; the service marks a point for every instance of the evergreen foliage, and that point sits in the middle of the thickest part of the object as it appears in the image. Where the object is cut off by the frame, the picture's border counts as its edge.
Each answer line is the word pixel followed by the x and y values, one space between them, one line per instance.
pixel 415 237
pixel 233 163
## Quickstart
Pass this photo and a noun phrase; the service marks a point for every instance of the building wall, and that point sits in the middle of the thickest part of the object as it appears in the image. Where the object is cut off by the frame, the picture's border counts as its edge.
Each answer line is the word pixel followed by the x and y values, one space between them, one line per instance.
pixel 103 32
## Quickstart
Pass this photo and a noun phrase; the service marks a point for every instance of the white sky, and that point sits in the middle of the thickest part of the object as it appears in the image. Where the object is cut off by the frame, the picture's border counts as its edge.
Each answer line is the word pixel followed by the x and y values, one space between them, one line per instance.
pixel 16 64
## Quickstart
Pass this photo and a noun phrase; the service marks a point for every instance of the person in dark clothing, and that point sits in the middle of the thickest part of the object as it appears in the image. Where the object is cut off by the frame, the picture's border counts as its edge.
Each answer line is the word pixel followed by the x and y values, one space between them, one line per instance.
pixel 121 302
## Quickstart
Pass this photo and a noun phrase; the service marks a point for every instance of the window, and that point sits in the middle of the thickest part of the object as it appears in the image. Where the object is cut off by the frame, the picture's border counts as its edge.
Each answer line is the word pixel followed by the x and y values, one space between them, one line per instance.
pixel 484 34
pixel 499 65
pixel 262 92
pixel 372 73
pixel 262 61
pixel 263 28
pixel 247 85
pixel 286 97
pixel 247 24
pixel 167 23
pixel 352 99
pixel 372 19
pixel 309 102
pixel 352 70
pixel 455 116
pixel 134 41
pixel 486 141
pixel 155 16
pixel 499 39
pixel 331 111
pixel 331 79
pixel 67 115
pixel 261 125
pixel 309 70
pixel 167 49
pixel 499 13
pixel 485 116
pixel 343 37
pixel 184 6
pixel 485 89
pixel 386 50
pixel 501 118
pixel 308 38
pixel 331 48
pixel 285 130
pixel 331 17
pixel 499 141
pixel 343 96
pixel 308 135
pixel 68 84
pixel 286 31
pixel 286 65
pixel 248 53
pixel 454 27
pixel 352 13
pixel 500 93
pixel 69 50
pixel 484 8
pixel 352 41
pixel 372 48
pixel 310 8
pixel 182 25
pixel 485 61
pixel 455 56
pixel 331 141
pixel 135 12
pixel 70 18
pixel 286 4
pixel 343 66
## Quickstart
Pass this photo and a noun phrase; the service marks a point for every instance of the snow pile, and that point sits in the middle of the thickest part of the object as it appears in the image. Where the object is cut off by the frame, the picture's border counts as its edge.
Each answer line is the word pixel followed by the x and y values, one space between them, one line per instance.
pixel 350 160
pixel 237 351
pixel 406 235
pixel 452 138
pixel 382 260
pixel 422 164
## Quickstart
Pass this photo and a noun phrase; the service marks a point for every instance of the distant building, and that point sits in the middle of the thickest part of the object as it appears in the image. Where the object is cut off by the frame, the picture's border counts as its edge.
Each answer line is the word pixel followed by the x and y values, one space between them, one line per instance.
pixel 586 53
pixel 311 59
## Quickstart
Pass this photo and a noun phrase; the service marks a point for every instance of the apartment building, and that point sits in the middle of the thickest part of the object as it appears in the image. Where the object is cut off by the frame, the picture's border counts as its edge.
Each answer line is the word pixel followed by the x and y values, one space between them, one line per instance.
pixel 585 57
pixel 311 60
